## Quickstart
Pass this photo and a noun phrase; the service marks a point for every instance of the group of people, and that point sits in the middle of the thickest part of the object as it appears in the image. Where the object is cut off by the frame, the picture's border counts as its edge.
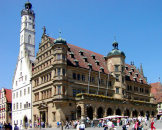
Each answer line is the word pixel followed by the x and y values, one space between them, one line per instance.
pixel 6 126
pixel 75 124
pixel 140 123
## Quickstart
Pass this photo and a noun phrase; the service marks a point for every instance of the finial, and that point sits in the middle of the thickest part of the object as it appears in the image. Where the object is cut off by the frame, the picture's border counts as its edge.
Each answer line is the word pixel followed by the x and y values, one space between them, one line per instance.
pixel 59 33
pixel 114 38
pixel 44 30
pixel 115 43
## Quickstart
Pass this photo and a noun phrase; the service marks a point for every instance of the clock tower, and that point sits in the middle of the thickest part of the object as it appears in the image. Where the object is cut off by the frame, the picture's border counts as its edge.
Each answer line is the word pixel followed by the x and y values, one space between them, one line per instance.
pixel 21 85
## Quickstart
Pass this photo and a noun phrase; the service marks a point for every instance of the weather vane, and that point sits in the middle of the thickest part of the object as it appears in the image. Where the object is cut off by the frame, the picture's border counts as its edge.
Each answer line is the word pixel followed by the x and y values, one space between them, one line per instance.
pixel 44 30
pixel 59 33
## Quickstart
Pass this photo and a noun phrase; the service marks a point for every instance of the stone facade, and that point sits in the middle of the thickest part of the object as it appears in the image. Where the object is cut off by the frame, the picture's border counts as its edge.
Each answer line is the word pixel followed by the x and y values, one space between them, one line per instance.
pixel 5 106
pixel 69 82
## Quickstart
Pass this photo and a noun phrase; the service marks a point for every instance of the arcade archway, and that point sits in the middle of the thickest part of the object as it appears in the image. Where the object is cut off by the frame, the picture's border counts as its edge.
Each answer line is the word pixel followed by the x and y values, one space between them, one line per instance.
pixel 90 112
pixel 100 112
pixel 109 112
pixel 118 111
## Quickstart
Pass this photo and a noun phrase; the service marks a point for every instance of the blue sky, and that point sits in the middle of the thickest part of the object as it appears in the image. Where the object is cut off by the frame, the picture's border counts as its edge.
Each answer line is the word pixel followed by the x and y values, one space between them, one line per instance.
pixel 91 24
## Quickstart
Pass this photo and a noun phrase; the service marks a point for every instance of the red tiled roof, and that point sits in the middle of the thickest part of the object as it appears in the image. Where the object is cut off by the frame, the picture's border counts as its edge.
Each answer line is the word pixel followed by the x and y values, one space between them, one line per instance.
pixel 9 95
pixel 98 57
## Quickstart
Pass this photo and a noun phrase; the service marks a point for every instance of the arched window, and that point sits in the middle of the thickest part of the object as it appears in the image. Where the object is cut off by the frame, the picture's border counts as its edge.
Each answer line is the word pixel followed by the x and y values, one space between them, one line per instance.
pixel 29 39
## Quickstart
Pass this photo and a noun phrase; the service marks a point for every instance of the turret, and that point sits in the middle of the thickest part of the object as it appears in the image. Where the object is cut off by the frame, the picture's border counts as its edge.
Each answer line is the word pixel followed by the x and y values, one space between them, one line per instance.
pixel 60 65
pixel 115 64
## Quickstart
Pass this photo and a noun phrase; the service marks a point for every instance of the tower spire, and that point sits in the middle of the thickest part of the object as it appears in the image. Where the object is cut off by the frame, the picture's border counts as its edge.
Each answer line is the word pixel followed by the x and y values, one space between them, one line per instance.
pixel 141 69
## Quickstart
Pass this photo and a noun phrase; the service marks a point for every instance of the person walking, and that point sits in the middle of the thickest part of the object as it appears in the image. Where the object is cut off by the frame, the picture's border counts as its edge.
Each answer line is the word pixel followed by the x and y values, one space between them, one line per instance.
pixel 152 125
pixel 82 126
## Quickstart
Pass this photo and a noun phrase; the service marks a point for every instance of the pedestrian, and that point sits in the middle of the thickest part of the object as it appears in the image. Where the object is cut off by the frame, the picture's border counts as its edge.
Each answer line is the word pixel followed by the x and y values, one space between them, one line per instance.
pixel 82 126
pixel 67 125
pixel 16 127
pixel 152 124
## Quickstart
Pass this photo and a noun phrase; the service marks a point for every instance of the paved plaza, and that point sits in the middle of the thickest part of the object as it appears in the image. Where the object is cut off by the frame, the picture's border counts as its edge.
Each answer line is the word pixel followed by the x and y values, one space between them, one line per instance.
pixel 158 126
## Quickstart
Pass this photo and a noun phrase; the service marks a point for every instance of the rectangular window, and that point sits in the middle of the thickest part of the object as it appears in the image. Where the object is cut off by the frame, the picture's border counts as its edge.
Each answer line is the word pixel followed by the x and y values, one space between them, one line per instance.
pixel 117 77
pixel 74 92
pixel 63 72
pixel 116 68
pixel 20 105
pixel 58 56
pixel 24 92
pixel 59 90
pixel 28 90
pixel 122 79
pixel 58 72
pixel 117 90
pixel 78 76
pixel 83 77
pixel 74 75
pixel 102 82
pixel 20 93
pixel 16 94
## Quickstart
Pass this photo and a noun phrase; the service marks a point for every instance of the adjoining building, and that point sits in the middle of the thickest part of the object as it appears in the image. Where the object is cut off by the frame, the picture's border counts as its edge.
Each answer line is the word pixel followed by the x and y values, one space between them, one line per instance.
pixel 5 106
pixel 156 90
pixel 69 82
pixel 21 86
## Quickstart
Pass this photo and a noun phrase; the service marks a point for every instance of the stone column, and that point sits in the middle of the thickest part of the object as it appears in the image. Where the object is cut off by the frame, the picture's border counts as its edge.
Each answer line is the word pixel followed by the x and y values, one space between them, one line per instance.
pixel 83 112
pixel 46 112
pixel 95 113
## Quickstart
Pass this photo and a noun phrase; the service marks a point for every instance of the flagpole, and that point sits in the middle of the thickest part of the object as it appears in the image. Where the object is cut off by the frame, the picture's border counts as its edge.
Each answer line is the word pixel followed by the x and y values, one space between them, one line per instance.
pixel 107 84
pixel 98 82
pixel 89 78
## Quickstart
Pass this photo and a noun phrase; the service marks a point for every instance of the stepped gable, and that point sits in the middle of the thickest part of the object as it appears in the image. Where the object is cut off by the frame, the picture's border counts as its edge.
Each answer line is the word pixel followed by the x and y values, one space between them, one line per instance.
pixel 134 74
pixel 98 57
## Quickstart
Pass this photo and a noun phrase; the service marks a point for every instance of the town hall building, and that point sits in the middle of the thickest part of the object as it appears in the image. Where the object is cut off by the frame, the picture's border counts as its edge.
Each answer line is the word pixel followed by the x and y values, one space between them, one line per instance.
pixel 69 82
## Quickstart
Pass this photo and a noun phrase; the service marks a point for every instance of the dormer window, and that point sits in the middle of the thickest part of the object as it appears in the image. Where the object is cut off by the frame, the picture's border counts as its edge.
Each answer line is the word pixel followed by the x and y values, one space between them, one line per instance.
pixel 93 56
pixel 85 59
pixel 132 69
pixel 130 72
pixel 97 62
pixel 141 80
pixel 90 66
pixel 104 57
pixel 69 49
pixel 81 52
pixel 102 69
pixel 76 62
pixel 71 54
pixel 126 67
pixel 136 74
pixel 135 79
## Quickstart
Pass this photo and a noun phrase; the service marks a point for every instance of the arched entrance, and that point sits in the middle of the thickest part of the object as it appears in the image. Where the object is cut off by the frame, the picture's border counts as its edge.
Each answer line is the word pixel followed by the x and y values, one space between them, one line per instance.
pixel 118 112
pixel 100 112
pixel 134 113
pixel 126 112
pixel 25 121
pixel 109 112
pixel 141 113
pixel 90 112
pixel 78 112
